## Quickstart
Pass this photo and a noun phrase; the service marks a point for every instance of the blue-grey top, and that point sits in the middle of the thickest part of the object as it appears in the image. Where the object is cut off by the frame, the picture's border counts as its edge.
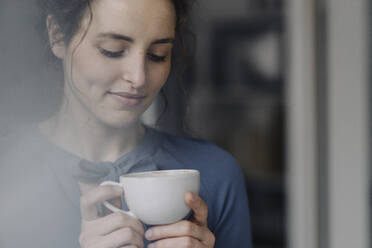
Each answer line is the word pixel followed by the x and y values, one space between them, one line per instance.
pixel 40 193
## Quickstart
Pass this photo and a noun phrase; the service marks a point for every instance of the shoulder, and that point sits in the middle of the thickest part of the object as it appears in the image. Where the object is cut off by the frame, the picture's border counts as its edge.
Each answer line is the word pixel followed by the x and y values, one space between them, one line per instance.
pixel 219 170
pixel 25 134
pixel 10 137
pixel 198 152
pixel 21 143
pixel 19 156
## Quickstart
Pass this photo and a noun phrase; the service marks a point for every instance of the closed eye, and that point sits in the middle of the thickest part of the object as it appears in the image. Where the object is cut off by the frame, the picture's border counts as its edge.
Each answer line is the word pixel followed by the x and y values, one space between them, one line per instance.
pixel 156 58
pixel 111 54
pixel 118 54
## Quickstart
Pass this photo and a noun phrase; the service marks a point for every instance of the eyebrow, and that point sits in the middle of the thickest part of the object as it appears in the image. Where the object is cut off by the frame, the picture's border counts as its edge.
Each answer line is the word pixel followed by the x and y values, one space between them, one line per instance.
pixel 163 41
pixel 129 39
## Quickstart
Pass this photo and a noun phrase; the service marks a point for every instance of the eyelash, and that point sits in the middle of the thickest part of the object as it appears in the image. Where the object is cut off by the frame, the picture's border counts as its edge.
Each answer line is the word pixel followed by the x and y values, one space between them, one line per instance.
pixel 111 54
pixel 151 56
pixel 156 58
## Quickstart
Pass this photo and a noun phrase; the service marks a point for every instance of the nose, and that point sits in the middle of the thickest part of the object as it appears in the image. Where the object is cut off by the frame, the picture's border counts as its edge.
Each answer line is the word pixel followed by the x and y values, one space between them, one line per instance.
pixel 134 70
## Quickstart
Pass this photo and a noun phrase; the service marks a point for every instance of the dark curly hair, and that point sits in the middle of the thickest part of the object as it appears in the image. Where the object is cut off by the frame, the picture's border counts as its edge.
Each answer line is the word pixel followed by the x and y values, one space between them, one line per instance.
pixel 67 15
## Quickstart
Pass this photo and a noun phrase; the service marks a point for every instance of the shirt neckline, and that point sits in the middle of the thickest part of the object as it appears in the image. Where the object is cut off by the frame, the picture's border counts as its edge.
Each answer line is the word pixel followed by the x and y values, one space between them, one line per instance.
pixel 146 146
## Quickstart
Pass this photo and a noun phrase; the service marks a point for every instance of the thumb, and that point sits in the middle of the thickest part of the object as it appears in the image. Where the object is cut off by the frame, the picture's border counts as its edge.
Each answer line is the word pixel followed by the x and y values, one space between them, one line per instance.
pixel 199 207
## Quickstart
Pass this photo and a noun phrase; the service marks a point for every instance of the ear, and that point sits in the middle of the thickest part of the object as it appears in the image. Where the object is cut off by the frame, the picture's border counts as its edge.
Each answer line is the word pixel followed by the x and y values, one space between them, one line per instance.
pixel 55 38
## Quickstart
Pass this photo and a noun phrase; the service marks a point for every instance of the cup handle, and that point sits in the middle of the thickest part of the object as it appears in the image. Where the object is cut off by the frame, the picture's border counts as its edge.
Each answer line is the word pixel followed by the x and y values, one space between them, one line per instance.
pixel 112 207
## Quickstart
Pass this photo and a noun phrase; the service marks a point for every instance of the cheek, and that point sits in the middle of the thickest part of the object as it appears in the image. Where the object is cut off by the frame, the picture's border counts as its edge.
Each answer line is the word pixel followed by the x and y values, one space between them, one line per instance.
pixel 90 71
pixel 159 75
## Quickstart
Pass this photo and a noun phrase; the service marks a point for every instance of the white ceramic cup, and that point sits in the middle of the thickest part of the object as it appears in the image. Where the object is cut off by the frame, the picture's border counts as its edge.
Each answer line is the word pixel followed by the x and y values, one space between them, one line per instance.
pixel 157 197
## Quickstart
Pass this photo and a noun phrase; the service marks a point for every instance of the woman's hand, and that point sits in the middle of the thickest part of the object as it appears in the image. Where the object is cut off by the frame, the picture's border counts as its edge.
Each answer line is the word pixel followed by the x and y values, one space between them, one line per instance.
pixel 111 231
pixel 193 233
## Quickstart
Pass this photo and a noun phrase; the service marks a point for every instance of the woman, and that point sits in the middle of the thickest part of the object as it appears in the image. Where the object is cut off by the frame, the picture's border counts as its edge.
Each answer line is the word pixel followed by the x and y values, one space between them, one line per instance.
pixel 116 56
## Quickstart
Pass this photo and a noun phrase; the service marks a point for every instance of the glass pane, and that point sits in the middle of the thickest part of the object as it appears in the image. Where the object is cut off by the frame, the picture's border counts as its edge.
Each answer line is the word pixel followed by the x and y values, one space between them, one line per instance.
pixel 239 84
pixel 237 101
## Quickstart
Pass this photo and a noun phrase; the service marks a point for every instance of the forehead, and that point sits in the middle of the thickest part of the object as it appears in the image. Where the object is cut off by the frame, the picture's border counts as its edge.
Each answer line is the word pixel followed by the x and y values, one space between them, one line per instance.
pixel 135 18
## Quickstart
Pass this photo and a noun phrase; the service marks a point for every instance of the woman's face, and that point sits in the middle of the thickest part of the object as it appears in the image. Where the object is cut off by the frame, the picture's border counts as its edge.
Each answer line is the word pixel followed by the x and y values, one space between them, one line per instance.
pixel 114 73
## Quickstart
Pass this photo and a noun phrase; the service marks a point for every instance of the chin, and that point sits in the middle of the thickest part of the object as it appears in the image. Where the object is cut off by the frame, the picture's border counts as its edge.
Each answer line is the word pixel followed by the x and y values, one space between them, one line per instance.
pixel 121 120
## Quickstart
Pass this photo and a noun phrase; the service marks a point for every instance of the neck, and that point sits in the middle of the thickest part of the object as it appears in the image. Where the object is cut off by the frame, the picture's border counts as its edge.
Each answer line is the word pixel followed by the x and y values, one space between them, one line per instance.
pixel 89 138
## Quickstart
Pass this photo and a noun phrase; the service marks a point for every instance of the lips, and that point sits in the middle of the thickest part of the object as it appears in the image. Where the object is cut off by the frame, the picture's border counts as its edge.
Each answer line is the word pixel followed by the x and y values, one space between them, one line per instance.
pixel 128 95
pixel 127 99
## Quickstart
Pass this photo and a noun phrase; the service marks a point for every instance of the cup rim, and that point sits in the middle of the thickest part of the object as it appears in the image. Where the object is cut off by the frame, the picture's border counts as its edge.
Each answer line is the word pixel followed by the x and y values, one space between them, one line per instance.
pixel 174 172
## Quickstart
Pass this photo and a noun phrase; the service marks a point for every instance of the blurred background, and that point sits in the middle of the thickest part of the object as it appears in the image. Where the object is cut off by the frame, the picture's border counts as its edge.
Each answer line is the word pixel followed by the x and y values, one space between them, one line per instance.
pixel 283 85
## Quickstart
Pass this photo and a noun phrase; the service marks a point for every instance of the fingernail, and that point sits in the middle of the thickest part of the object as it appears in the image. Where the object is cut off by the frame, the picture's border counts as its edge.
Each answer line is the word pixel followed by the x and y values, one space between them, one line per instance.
pixel 193 197
pixel 148 235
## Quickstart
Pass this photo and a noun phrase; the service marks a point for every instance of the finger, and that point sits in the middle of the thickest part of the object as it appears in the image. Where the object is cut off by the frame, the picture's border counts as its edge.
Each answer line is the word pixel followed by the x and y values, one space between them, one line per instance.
pixel 123 237
pixel 110 223
pixel 178 242
pixel 179 229
pixel 199 207
pixel 90 200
